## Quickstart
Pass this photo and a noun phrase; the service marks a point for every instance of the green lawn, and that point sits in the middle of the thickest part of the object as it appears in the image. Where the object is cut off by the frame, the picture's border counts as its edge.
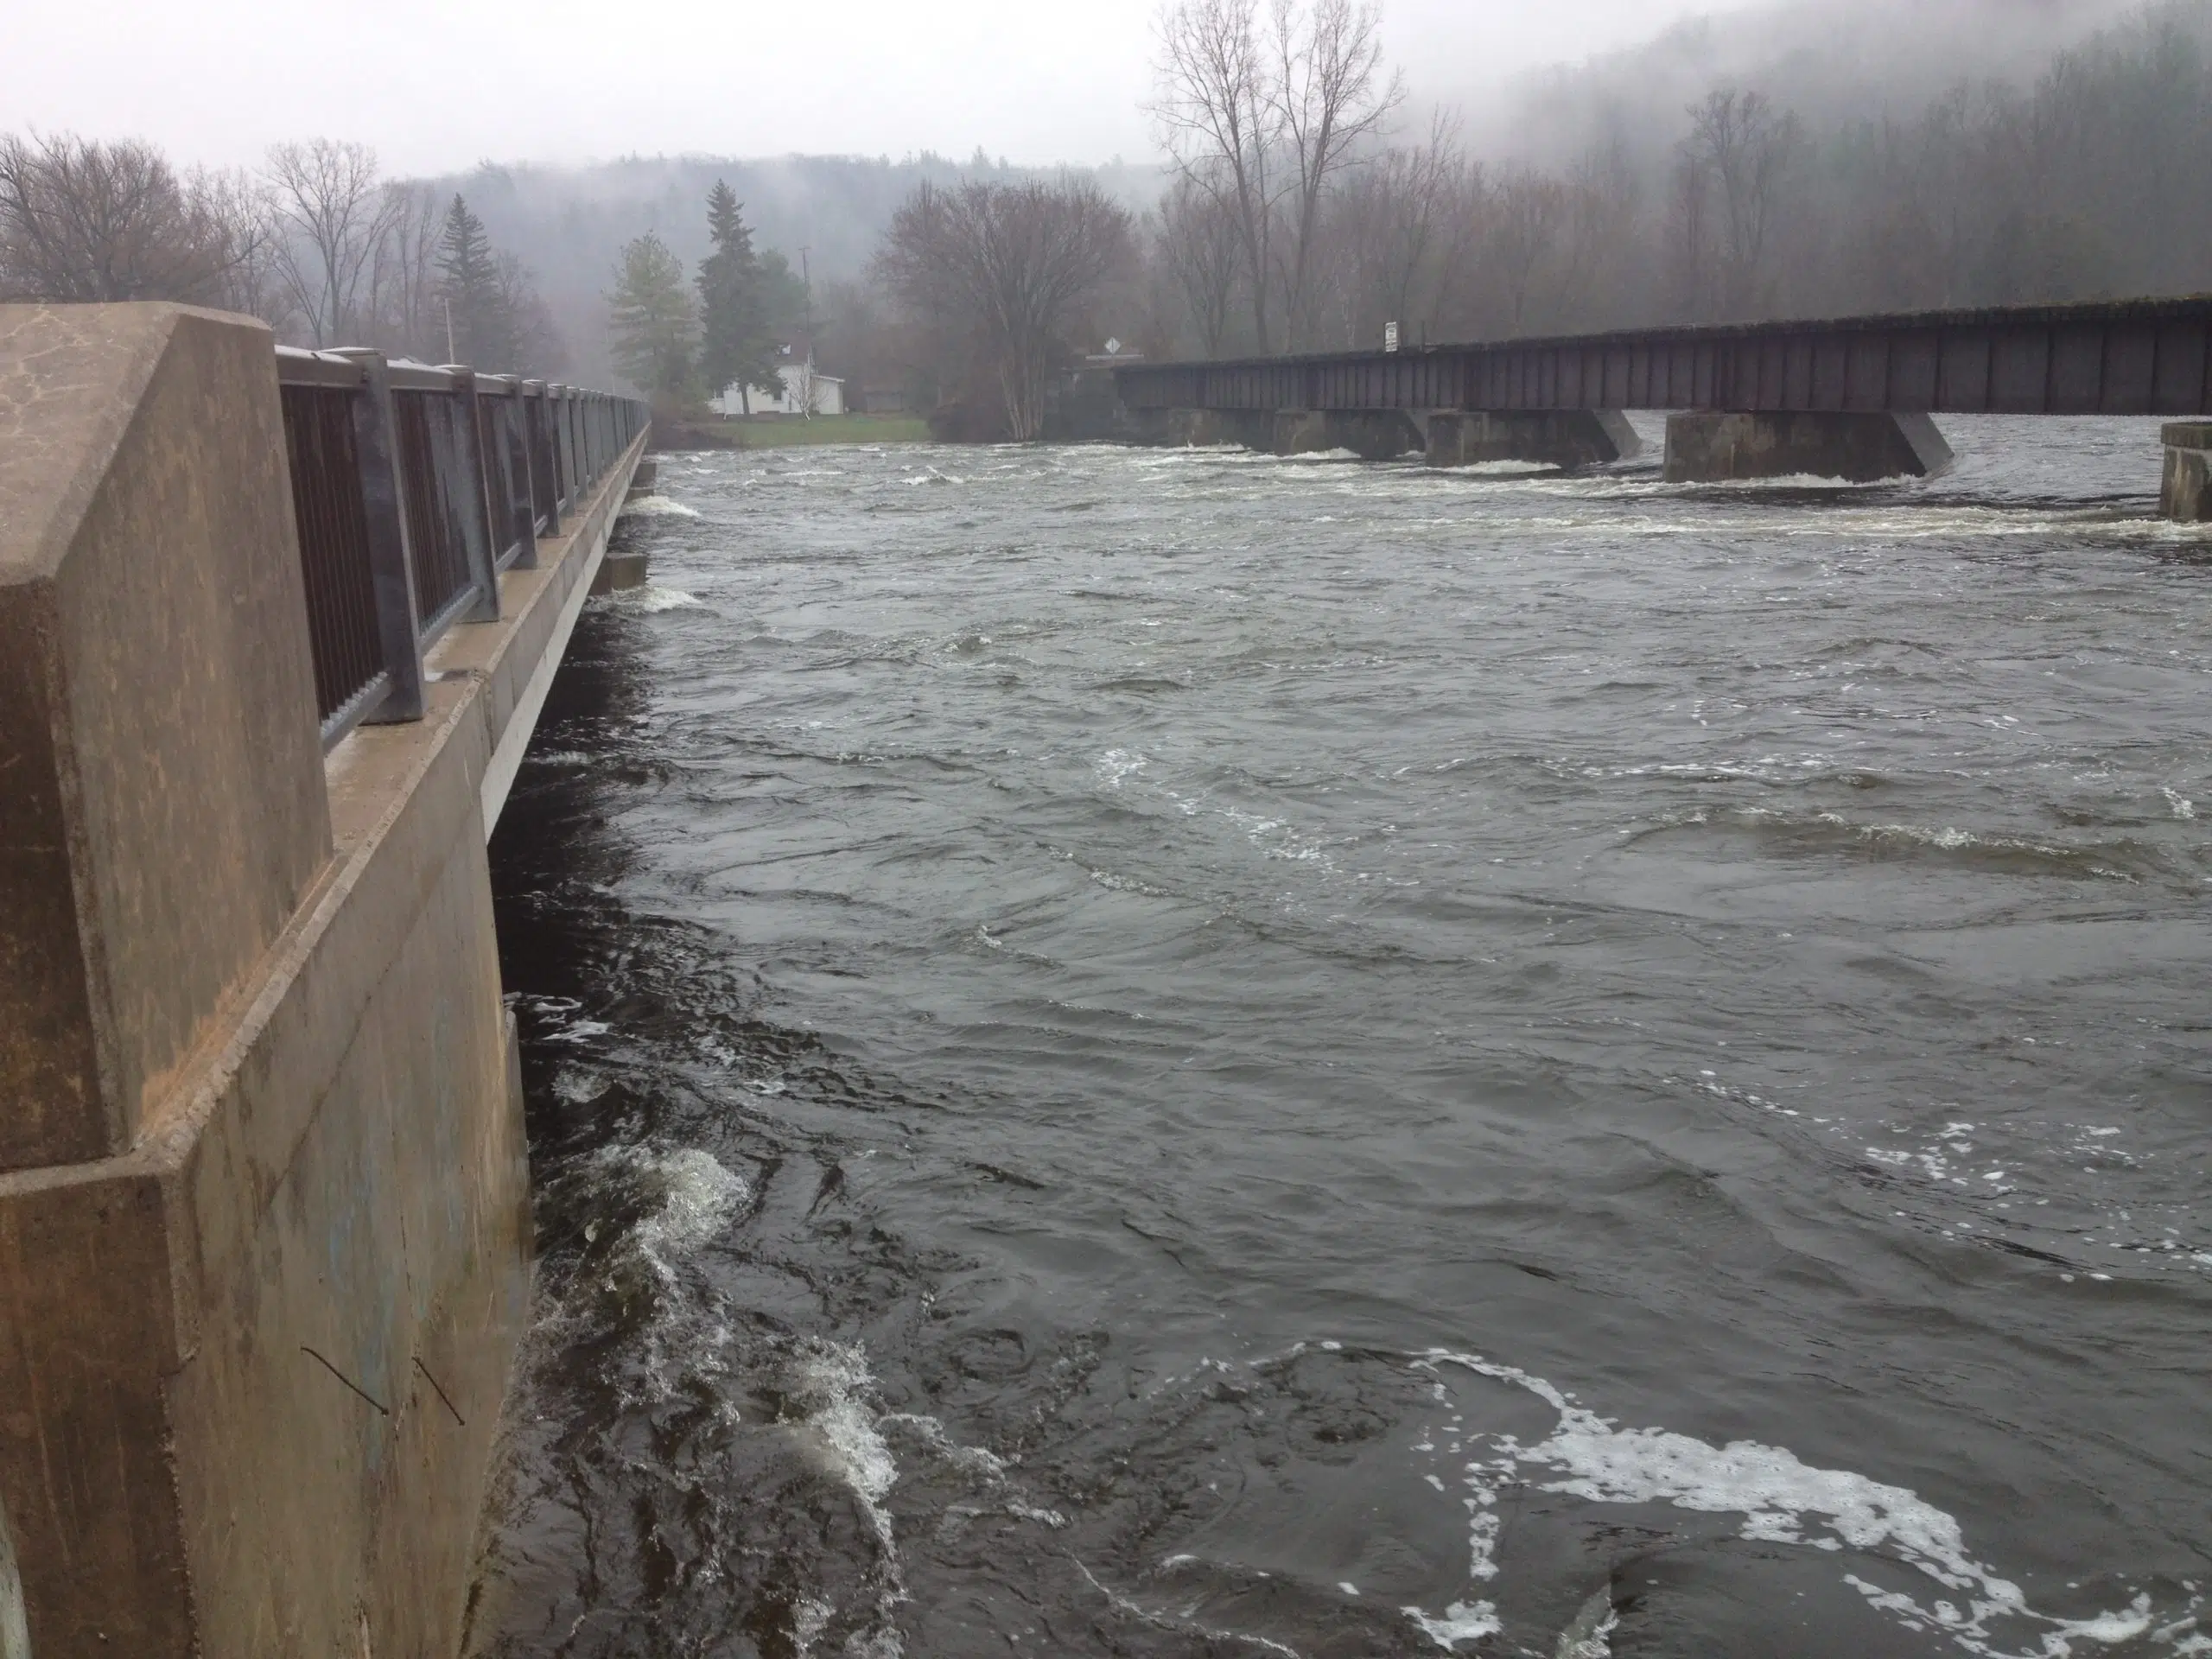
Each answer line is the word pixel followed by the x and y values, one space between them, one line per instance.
pixel 787 430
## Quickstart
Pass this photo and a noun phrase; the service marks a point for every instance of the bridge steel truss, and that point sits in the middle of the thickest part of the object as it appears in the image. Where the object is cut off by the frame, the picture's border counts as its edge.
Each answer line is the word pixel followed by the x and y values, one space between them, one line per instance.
pixel 2138 357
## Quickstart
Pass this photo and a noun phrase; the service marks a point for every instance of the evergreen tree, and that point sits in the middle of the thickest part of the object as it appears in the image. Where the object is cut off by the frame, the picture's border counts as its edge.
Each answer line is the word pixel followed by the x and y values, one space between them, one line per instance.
pixel 484 332
pixel 650 321
pixel 737 347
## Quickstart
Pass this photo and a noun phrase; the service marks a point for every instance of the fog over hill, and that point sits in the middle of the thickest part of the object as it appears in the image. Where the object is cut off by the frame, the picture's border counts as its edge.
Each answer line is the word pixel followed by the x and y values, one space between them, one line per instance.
pixel 1830 63
pixel 1836 67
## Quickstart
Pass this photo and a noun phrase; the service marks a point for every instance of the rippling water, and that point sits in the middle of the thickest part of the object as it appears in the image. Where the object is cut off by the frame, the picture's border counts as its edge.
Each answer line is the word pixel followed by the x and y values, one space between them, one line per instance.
pixel 1180 1053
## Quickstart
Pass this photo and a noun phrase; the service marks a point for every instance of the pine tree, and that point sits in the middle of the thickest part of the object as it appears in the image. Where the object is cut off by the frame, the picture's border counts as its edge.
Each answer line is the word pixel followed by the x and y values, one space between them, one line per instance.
pixel 650 320
pixel 484 332
pixel 736 347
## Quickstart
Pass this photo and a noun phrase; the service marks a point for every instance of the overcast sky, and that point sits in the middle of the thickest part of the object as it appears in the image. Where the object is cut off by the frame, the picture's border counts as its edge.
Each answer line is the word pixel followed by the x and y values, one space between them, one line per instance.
pixel 436 86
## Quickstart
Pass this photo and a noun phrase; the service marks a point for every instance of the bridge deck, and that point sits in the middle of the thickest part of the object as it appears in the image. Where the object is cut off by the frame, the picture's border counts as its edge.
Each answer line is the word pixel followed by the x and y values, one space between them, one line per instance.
pixel 2138 357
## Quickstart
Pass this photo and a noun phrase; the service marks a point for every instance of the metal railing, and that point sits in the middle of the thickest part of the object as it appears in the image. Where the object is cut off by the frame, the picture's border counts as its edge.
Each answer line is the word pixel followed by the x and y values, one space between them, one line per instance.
pixel 413 488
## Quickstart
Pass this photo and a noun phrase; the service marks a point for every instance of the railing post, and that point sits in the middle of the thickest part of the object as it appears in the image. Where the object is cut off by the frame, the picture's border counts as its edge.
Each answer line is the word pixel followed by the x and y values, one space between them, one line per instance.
pixel 399 611
pixel 484 547
pixel 545 477
pixel 516 507
pixel 563 484
pixel 572 469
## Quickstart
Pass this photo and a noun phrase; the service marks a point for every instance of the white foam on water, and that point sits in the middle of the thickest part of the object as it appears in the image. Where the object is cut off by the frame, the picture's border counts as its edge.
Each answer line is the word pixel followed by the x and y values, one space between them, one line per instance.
pixel 578 1086
pixel 972 1460
pixel 1114 883
pixel 2182 806
pixel 1463 1621
pixel 831 1383
pixel 1781 1500
pixel 653 597
pixel 1783 481
pixel 1118 763
pixel 657 507
pixel 1505 468
pixel 694 1196
pixel 1590 1636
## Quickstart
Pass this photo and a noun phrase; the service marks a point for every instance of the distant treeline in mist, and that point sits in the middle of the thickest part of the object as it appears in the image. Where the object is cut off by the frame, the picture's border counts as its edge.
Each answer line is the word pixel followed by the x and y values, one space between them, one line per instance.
pixel 317 243
pixel 2083 181
pixel 1811 159
pixel 1299 215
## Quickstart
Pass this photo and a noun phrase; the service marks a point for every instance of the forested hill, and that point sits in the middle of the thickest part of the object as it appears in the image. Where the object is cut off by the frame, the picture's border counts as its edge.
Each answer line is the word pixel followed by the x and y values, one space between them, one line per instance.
pixel 1832 64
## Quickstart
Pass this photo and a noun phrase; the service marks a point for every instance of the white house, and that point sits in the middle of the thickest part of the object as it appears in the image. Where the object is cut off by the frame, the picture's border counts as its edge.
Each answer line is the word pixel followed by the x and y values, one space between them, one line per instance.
pixel 802 392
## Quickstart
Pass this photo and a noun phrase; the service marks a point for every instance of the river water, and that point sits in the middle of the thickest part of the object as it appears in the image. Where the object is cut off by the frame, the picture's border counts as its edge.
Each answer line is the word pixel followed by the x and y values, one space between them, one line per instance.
pixel 1178 1052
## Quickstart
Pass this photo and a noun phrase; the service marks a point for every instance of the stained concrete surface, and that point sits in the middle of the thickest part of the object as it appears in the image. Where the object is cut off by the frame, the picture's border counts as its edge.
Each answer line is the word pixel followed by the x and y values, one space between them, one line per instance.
pixel 163 812
pixel 252 1360
pixel 2185 492
pixel 1564 437
pixel 1712 446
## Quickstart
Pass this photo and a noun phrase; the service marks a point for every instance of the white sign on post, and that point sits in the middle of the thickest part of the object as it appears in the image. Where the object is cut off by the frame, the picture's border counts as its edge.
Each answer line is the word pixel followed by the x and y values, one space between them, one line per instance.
pixel 1390 336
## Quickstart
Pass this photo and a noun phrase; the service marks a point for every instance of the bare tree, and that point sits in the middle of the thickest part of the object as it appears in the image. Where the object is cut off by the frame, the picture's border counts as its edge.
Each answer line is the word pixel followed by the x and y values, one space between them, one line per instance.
pixel 539 347
pixel 252 283
pixel 1198 242
pixel 1219 118
pixel 1330 97
pixel 1263 120
pixel 404 311
pixel 332 218
pixel 86 221
pixel 1742 149
pixel 914 265
pixel 1015 263
pixel 1600 272
pixel 1382 252
pixel 1528 221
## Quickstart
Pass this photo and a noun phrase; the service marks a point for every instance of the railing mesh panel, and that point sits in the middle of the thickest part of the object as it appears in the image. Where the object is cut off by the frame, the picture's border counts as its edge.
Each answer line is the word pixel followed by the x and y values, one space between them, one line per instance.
pixel 506 465
pixel 347 649
pixel 434 484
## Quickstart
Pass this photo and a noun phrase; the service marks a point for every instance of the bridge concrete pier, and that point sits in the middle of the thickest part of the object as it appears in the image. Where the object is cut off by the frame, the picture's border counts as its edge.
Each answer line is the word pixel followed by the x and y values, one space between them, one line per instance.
pixel 1709 446
pixel 618 572
pixel 2186 494
pixel 1370 434
pixel 1195 429
pixel 264 1223
pixel 1560 437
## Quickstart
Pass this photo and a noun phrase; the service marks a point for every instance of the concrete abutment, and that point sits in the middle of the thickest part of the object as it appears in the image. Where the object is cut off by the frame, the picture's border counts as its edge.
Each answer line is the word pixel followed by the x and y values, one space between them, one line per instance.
pixel 1708 446
pixel 2185 492
pixel 264 1225
pixel 1562 438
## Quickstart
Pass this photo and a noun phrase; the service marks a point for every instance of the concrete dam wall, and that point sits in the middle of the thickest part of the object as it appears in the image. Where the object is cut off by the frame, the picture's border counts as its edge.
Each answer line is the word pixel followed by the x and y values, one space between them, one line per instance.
pixel 265 1235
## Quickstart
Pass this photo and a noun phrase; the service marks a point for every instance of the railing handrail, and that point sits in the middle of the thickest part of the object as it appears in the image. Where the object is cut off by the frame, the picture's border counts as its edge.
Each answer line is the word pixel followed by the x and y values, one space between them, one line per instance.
pixel 297 367
pixel 412 492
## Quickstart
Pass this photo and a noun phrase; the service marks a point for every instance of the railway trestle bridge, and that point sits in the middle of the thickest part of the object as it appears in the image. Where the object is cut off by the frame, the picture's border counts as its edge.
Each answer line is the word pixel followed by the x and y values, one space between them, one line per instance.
pixel 1852 398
